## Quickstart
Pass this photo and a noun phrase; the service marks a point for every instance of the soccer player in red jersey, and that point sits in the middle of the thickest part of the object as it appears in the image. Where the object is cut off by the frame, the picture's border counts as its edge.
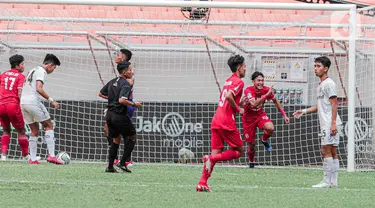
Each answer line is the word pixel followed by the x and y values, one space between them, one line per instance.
pixel 223 126
pixel 254 116
pixel 11 83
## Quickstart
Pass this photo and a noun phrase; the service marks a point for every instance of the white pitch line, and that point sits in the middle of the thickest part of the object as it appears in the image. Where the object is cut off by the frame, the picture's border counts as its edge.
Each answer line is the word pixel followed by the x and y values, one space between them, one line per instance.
pixel 98 183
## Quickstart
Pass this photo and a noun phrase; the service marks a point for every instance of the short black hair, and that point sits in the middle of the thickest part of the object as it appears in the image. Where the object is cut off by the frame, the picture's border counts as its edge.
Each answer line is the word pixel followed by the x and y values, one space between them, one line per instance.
pixel 324 61
pixel 127 53
pixel 51 59
pixel 15 60
pixel 235 61
pixel 256 74
pixel 123 66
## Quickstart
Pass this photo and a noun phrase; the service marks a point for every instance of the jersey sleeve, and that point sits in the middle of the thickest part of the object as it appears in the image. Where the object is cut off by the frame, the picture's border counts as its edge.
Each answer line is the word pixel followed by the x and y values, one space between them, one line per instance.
pixel 104 90
pixel 21 80
pixel 330 89
pixel 40 75
pixel 125 92
pixel 236 88
pixel 249 94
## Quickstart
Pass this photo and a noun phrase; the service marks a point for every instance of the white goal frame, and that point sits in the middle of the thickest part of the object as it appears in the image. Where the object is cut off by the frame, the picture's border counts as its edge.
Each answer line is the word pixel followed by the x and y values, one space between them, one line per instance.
pixel 351 8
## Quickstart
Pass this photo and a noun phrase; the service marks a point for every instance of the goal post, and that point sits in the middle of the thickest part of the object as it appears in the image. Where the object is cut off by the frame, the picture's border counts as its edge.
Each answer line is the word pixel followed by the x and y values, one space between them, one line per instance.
pixel 180 52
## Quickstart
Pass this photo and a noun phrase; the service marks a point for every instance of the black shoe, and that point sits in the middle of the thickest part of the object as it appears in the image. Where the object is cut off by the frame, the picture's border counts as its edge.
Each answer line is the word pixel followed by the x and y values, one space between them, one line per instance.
pixel 123 168
pixel 251 165
pixel 110 170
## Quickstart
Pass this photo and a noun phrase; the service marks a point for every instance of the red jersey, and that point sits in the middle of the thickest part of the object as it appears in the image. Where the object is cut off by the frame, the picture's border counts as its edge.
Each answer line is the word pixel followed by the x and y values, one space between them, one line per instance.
pixel 251 93
pixel 10 82
pixel 225 115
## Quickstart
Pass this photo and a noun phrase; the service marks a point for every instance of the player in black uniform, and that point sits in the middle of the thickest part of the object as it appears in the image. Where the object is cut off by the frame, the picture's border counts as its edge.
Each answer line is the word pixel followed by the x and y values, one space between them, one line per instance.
pixel 119 124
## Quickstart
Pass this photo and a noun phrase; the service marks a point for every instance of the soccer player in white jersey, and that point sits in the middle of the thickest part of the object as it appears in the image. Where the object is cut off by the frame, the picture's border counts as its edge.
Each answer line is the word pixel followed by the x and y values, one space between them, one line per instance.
pixel 329 120
pixel 35 112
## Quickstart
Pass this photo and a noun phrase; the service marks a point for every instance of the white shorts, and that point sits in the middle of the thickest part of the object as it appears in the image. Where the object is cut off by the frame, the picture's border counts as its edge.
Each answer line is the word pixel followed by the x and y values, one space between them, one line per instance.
pixel 33 113
pixel 327 139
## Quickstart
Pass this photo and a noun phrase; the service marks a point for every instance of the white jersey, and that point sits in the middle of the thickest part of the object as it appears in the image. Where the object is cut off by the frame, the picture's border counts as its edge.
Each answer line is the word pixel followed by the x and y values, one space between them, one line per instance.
pixel 29 93
pixel 326 90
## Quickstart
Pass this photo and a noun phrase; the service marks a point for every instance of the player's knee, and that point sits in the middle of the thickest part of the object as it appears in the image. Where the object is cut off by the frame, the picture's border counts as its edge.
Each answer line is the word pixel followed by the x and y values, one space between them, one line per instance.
pixel 270 130
pixel 241 150
pixel 21 131
pixel 47 125
pixel 117 140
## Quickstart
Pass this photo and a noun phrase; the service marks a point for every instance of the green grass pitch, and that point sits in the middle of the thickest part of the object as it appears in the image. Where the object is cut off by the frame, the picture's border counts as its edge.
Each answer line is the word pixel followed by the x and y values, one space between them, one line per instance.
pixel 87 185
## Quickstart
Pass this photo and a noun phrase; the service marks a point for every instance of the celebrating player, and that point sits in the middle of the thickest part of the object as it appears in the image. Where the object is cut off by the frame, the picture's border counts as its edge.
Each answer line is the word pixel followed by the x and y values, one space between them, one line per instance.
pixel 11 83
pixel 223 126
pixel 118 91
pixel 124 55
pixel 255 117
pixel 34 110
pixel 329 121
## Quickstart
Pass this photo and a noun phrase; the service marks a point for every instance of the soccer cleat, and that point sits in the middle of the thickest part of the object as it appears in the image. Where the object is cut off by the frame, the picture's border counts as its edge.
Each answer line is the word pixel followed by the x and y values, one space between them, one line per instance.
pixel 334 186
pixel 114 162
pixel 129 164
pixel 322 184
pixel 3 157
pixel 203 188
pixel 267 146
pixel 207 164
pixel 27 158
pixel 110 170
pixel 54 160
pixel 123 168
pixel 251 165
pixel 36 162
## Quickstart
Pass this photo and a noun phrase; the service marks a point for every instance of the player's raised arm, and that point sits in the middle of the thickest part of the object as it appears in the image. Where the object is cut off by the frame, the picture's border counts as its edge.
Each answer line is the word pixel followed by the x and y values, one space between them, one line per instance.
pixel 280 108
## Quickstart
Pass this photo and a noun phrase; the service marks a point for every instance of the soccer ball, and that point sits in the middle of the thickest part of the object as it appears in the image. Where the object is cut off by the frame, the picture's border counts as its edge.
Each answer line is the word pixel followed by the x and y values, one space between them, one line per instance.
pixel 64 157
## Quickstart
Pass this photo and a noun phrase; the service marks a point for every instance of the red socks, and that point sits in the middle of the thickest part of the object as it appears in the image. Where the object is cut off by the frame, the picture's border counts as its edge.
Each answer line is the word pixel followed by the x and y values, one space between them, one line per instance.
pixel 5 140
pixel 24 144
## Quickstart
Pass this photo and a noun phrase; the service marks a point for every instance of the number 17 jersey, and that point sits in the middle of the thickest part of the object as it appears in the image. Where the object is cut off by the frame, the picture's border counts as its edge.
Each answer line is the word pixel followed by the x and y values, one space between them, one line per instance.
pixel 11 81
pixel 225 115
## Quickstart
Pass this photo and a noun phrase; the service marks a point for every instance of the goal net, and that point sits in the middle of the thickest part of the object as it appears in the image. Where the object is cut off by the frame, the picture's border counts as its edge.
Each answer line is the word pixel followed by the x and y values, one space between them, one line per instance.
pixel 180 62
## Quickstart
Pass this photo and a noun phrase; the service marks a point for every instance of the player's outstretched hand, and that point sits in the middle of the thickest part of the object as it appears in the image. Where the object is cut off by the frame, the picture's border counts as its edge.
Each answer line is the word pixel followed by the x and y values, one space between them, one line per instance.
pixel 55 104
pixel 298 114
pixel 286 119
pixel 138 105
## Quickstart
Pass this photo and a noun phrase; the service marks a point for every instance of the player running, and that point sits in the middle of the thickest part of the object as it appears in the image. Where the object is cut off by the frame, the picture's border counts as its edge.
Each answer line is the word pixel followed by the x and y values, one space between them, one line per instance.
pixel 223 126
pixel 34 110
pixel 255 117
pixel 329 120
pixel 11 83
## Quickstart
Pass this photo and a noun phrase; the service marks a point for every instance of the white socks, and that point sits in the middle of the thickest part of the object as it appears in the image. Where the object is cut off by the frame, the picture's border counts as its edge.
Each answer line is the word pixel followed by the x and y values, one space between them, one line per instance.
pixel 49 138
pixel 335 172
pixel 327 169
pixel 33 146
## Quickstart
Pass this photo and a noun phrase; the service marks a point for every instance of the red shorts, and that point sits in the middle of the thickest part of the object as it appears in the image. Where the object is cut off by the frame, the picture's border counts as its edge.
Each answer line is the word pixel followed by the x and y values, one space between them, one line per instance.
pixel 11 113
pixel 232 138
pixel 250 126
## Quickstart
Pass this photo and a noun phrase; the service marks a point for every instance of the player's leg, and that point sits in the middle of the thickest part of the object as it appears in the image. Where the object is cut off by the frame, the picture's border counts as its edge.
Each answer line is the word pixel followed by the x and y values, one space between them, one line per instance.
pixel 5 138
pixel 233 139
pixel 114 133
pixel 335 157
pixel 131 110
pixel 131 133
pixel 327 160
pixel 33 142
pixel 16 118
pixel 217 144
pixel 266 124
pixel 249 129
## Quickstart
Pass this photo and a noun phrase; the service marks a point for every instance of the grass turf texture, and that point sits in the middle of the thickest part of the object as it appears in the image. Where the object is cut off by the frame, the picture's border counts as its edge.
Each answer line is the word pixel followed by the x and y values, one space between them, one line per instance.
pixel 87 185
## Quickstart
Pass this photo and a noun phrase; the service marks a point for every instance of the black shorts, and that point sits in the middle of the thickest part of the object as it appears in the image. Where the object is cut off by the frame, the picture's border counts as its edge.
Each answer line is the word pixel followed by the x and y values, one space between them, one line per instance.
pixel 119 124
